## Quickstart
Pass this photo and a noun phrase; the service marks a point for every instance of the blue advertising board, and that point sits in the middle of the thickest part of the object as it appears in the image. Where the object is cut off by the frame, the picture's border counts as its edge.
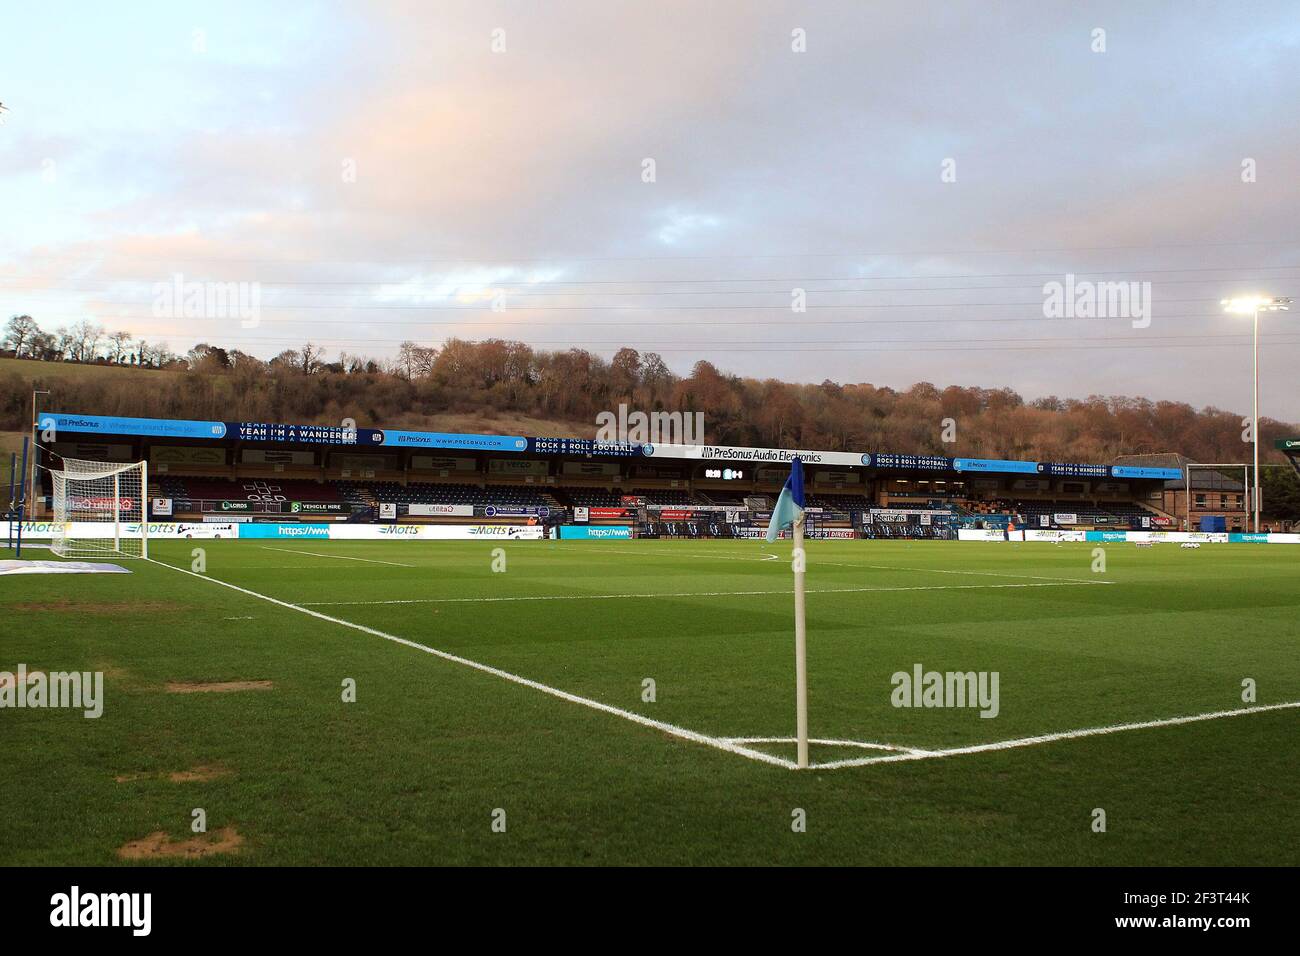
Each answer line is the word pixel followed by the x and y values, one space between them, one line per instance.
pixel 582 532
pixel 995 464
pixel 112 425
pixel 468 442
pixel 267 530
pixel 1130 471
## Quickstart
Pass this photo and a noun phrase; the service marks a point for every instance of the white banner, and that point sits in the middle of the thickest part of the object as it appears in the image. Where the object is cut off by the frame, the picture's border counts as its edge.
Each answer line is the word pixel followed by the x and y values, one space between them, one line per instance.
pixel 38 530
pixel 1066 517
pixel 433 532
pixel 388 510
pixel 581 515
pixel 429 511
pixel 756 455
pixel 1037 534
pixel 162 506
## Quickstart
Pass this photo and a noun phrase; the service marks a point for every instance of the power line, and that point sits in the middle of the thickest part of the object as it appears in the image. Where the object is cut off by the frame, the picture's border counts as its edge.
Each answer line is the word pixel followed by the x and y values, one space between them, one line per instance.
pixel 485 289
pixel 725 279
pixel 688 323
pixel 487 308
pixel 561 257
pixel 980 344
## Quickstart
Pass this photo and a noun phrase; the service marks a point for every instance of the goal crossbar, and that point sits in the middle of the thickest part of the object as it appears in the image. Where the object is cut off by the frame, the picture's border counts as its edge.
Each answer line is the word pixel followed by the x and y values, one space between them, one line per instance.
pixel 100 509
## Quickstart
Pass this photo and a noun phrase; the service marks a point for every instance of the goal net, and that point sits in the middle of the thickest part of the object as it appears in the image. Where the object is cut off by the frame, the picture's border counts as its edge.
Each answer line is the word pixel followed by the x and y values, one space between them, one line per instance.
pixel 100 510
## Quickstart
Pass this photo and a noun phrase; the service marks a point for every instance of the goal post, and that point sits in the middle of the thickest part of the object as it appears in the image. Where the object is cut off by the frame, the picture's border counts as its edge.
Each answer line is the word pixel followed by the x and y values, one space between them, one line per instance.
pixel 101 509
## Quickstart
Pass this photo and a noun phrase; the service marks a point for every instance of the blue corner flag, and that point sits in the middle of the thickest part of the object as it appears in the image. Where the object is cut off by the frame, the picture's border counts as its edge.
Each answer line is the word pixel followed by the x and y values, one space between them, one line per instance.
pixel 789 507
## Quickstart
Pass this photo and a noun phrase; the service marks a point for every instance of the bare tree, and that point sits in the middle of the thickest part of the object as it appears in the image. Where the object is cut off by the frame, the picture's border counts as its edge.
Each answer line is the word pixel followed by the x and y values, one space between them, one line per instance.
pixel 121 343
pixel 63 342
pixel 43 347
pixel 19 333
pixel 84 340
pixel 309 357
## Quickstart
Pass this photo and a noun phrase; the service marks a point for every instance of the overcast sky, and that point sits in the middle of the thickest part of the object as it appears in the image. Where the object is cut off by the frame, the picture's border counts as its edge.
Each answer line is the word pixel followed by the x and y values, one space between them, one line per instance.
pixel 387 171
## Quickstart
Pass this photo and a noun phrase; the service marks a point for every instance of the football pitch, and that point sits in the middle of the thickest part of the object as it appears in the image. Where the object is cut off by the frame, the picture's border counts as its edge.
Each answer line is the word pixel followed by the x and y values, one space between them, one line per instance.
pixel 540 702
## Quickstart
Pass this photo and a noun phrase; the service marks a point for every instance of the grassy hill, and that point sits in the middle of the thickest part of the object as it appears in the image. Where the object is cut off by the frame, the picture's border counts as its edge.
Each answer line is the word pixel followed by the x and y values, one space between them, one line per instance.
pixel 10 443
pixel 50 375
pixel 45 373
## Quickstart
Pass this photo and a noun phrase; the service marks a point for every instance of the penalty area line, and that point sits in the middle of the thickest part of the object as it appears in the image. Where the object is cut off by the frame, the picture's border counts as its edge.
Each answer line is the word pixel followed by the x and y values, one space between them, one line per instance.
pixel 672 729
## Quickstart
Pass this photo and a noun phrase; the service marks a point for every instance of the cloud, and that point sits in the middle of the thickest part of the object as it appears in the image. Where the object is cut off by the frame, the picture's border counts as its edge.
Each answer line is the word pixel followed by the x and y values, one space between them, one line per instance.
pixel 382 172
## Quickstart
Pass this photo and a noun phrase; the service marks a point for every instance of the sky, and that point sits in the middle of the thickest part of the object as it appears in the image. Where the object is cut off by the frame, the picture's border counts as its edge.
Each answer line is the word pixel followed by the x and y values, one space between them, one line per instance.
pixel 862 192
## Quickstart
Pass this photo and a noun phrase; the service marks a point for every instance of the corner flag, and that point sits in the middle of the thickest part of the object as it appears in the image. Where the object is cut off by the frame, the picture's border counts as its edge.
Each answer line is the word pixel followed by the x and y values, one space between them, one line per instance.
pixel 788 513
pixel 789 507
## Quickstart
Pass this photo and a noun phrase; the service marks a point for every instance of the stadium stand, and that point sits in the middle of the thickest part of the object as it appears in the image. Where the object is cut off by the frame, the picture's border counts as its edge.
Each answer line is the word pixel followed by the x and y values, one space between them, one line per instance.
pixel 837 502
pixel 666 496
pixel 524 496
pixel 1031 512
pixel 592 497
pixel 247 489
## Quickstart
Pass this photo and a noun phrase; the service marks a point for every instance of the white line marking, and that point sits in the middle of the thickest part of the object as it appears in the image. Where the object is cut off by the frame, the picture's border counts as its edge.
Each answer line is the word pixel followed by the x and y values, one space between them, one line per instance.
pixel 860 744
pixel 677 594
pixel 736 745
pixel 1052 738
pixel 341 557
pixel 992 574
pixel 815 562
pixel 681 732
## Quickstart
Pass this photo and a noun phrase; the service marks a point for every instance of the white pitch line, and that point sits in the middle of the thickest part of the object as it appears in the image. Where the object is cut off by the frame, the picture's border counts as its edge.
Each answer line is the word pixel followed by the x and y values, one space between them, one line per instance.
pixel 679 594
pixel 672 729
pixel 860 744
pixel 1052 738
pixel 861 567
pixel 991 574
pixel 341 557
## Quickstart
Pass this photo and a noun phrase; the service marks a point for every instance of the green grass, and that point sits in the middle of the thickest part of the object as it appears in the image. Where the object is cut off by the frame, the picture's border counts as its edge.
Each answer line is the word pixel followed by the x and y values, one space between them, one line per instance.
pixel 411 772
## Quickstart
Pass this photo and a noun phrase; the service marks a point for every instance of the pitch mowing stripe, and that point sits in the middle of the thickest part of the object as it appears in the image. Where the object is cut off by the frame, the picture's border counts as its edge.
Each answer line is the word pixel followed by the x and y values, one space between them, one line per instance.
pixel 1050 738
pixel 862 567
pixel 672 729
pixel 339 557
pixel 677 594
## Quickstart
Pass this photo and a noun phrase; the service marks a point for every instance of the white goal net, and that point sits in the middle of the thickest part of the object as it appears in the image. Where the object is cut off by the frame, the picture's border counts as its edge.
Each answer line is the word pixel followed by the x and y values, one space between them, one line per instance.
pixel 100 510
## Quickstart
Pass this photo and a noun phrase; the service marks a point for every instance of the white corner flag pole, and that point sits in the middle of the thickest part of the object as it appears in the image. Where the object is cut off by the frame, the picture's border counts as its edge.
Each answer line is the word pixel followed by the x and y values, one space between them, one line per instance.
pixel 800 650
